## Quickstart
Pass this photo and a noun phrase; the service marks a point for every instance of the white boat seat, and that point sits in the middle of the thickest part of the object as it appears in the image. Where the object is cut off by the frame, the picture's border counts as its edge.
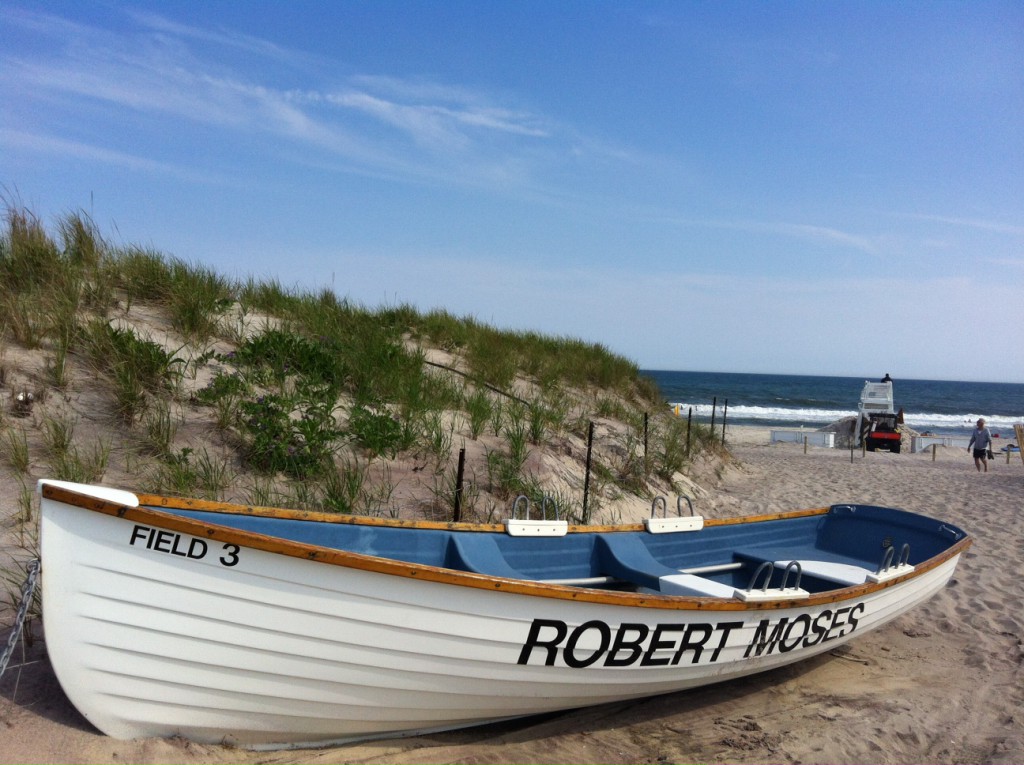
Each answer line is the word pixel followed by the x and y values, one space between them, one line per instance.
pixel 846 573
pixel 840 573
pixel 691 584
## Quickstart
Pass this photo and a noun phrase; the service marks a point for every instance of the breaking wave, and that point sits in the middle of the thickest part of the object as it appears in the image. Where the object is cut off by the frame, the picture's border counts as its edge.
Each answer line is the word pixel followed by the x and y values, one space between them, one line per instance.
pixel 920 421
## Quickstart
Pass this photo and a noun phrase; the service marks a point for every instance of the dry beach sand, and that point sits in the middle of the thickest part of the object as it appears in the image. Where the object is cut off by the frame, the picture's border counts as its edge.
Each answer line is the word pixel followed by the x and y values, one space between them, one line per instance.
pixel 942 684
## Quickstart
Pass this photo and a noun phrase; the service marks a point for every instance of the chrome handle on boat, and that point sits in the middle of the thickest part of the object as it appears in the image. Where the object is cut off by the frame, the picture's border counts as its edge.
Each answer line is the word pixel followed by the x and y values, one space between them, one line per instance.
pixel 793 565
pixel 515 507
pixel 886 559
pixel 904 558
pixel 679 505
pixel 890 553
pixel 522 498
pixel 664 506
pixel 544 508
pixel 766 566
pixel 955 533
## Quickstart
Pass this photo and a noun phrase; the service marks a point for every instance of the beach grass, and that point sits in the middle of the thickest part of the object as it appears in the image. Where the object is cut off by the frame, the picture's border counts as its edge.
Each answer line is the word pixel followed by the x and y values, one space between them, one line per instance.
pixel 301 391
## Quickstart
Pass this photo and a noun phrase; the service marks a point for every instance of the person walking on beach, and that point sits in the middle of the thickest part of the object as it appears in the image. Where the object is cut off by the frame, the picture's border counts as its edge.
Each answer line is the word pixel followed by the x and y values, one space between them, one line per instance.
pixel 981 441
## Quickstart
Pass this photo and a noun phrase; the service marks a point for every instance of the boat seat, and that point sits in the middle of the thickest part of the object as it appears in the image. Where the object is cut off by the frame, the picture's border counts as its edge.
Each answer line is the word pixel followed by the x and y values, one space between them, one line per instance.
pixel 691 584
pixel 479 554
pixel 809 555
pixel 625 556
pixel 840 573
pixel 846 573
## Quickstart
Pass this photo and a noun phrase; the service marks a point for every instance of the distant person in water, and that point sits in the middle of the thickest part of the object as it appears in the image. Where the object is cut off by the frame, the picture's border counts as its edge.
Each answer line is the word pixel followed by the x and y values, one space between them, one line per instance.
pixel 886 378
pixel 981 441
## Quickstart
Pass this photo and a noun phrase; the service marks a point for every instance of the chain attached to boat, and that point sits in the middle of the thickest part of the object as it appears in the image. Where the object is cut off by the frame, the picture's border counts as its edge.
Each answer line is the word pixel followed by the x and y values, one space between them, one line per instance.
pixel 27 591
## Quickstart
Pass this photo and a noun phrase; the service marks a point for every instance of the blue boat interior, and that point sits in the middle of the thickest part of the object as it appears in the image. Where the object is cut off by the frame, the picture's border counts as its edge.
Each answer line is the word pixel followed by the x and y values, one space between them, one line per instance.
pixel 837 549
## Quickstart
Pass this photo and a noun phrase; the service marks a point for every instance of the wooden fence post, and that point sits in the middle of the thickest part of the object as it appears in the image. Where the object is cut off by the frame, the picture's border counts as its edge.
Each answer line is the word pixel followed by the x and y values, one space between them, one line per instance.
pixel 586 475
pixel 647 468
pixel 725 413
pixel 458 485
pixel 689 422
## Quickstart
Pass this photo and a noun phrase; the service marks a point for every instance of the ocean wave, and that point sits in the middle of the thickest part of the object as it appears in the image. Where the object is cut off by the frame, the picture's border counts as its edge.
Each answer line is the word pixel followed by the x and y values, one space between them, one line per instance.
pixel 778 415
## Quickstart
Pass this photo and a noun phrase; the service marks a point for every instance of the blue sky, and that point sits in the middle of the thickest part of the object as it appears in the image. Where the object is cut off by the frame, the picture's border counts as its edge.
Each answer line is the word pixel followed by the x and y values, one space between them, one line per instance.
pixel 802 187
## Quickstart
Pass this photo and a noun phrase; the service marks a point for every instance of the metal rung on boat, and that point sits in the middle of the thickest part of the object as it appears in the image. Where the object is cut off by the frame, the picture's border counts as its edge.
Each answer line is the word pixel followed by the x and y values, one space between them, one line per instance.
pixel 764 592
pixel 889 570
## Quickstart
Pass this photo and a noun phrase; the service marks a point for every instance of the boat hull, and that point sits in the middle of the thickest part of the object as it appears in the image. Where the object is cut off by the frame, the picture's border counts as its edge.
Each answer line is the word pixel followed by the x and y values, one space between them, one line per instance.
pixel 176 634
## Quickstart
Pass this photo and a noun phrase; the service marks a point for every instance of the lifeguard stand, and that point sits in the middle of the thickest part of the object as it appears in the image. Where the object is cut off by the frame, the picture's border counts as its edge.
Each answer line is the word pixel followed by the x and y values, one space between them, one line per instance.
pixel 876 398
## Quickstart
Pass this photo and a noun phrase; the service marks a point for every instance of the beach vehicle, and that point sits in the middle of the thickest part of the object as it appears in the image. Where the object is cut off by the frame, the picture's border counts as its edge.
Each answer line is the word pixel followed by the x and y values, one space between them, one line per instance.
pixel 877 425
pixel 267 628
pixel 882 432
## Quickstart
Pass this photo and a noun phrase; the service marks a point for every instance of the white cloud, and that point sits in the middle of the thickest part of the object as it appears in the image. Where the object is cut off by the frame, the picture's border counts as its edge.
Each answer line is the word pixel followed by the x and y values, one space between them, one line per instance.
pixel 973 223
pixel 808 232
pixel 75 149
pixel 823 234
pixel 455 102
pixel 441 133
pixel 220 38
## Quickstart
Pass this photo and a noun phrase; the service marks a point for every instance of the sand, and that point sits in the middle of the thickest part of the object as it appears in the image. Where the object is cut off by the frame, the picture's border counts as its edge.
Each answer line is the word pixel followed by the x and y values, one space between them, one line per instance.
pixel 943 683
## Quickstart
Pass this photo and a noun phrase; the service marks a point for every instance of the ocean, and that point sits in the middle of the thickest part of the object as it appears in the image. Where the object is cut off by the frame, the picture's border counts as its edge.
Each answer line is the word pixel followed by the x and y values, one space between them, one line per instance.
pixel 775 401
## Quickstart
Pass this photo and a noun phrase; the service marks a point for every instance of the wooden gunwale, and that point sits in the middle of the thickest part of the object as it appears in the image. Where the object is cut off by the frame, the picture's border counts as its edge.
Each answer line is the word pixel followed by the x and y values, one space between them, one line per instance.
pixel 183 503
pixel 360 561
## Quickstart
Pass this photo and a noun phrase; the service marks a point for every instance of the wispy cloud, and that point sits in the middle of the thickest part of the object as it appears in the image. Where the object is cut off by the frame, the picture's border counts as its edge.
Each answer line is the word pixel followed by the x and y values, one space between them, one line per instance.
pixel 411 128
pixel 824 235
pixel 808 232
pixel 162 67
pixel 444 126
pixel 450 102
pixel 221 38
pixel 44 144
pixel 978 224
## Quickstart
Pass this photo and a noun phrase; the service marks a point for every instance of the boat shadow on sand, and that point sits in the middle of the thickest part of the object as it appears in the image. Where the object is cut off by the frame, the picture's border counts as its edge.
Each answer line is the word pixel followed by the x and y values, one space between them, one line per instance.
pixel 706 713
pixel 31 686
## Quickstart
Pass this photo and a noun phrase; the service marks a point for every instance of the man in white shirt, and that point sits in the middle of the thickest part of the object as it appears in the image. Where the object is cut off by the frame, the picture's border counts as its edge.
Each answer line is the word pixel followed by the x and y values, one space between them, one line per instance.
pixel 981 440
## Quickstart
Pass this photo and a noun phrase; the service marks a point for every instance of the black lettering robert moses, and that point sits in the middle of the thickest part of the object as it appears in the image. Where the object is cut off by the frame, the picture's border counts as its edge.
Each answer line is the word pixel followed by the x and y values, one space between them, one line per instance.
pixel 667 644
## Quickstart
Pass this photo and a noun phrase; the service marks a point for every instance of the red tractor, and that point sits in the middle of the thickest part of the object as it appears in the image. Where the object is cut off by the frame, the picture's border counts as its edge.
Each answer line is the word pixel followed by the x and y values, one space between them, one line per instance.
pixel 881 432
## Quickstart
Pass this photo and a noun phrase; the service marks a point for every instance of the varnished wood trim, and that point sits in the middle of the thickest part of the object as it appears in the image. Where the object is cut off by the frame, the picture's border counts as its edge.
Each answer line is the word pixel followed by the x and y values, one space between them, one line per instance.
pixel 183 503
pixel 255 541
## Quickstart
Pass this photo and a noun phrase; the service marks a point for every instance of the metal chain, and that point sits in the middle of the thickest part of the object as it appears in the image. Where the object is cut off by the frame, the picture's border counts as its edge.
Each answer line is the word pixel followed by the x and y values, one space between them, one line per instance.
pixel 27 591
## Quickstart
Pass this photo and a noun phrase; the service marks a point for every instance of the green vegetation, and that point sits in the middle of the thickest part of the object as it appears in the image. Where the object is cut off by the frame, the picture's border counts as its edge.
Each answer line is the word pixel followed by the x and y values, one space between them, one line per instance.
pixel 258 393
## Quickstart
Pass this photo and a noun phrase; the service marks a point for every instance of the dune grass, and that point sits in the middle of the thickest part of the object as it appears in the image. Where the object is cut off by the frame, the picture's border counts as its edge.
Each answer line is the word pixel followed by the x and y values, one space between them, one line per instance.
pixel 314 392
